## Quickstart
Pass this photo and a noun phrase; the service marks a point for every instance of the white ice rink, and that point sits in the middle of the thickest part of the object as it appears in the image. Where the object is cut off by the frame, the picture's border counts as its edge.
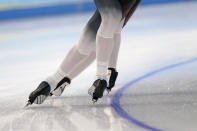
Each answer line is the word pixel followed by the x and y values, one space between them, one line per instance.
pixel 158 36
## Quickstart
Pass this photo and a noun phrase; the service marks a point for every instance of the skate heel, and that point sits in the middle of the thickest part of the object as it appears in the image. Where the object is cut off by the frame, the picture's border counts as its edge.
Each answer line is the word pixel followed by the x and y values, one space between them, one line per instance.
pixel 113 74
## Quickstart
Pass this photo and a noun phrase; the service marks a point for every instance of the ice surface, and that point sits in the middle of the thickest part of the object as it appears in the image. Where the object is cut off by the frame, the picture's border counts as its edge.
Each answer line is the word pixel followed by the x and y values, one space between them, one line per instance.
pixel 156 36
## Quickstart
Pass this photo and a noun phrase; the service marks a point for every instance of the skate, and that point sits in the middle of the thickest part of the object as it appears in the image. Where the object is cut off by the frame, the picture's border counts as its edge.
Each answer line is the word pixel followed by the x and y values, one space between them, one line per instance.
pixel 61 86
pixel 113 74
pixel 39 95
pixel 97 89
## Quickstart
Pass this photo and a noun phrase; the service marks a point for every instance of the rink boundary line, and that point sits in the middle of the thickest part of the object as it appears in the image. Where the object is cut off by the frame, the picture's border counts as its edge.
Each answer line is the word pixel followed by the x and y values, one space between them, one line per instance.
pixel 119 93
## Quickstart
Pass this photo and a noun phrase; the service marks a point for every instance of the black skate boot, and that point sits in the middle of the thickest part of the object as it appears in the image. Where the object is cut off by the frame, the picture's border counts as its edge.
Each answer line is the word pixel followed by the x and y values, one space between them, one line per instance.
pixel 113 74
pixel 61 86
pixel 39 94
pixel 97 89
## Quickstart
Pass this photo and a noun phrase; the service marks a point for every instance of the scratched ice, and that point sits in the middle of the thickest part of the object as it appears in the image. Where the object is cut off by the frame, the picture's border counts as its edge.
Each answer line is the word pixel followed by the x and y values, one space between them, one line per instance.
pixel 157 36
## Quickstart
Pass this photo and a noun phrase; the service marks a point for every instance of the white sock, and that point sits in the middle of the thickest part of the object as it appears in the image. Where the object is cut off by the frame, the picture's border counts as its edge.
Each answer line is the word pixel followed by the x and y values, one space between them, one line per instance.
pixel 104 48
pixel 72 60
pixel 54 79
pixel 114 56
pixel 75 62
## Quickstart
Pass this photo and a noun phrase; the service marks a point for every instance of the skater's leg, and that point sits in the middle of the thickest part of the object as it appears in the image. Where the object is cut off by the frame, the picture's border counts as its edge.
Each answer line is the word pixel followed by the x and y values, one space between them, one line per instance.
pixel 117 40
pixel 80 56
pixel 107 48
pixel 128 10
pixel 112 66
pixel 111 15
pixel 83 53
pixel 115 51
pixel 82 65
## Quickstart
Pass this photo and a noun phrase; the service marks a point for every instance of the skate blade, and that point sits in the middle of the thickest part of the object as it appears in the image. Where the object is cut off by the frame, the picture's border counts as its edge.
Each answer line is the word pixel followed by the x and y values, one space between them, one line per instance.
pixel 28 104
pixel 51 94
pixel 108 91
pixel 94 101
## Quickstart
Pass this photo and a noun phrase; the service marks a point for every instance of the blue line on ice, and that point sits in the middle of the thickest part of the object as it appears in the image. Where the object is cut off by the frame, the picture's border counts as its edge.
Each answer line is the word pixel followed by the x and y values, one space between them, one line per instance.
pixel 116 98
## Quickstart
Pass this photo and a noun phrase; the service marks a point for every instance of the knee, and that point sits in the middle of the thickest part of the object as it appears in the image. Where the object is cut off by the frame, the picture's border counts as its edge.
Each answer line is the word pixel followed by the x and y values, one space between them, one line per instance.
pixel 111 20
pixel 93 24
pixel 87 40
pixel 86 46
pixel 86 43
pixel 112 17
